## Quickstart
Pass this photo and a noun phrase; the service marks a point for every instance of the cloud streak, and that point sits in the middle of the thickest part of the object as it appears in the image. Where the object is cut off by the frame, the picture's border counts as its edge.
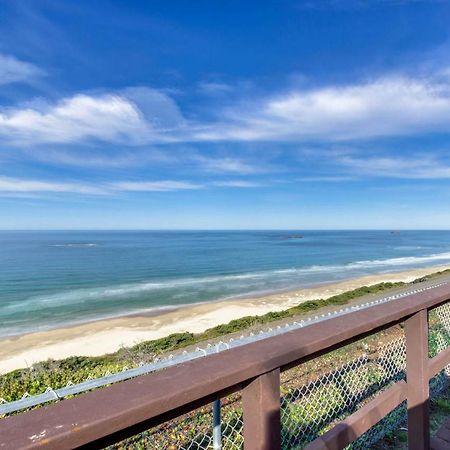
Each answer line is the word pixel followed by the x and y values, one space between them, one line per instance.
pixel 19 185
pixel 327 178
pixel 11 185
pixel 155 186
pixel 13 70
pixel 227 164
pixel 426 168
pixel 237 184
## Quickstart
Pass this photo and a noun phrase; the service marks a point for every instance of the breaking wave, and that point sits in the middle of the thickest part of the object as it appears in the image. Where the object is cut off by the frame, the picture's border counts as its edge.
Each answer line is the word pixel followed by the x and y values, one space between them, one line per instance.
pixel 74 245
pixel 229 284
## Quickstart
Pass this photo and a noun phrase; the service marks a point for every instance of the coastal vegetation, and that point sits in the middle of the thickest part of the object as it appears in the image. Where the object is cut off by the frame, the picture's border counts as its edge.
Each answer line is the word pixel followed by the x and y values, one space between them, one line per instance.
pixel 58 373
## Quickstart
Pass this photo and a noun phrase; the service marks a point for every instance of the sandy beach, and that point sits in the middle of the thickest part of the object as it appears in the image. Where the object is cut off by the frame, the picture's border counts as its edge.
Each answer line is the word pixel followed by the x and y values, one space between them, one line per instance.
pixel 105 336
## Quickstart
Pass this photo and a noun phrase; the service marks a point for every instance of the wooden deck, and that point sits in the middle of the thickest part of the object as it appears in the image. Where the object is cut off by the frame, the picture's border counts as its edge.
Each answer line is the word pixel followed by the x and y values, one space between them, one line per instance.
pixel 441 440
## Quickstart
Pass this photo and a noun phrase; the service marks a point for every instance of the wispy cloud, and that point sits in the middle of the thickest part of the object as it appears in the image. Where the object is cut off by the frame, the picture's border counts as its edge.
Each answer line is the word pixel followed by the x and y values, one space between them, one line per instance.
pixel 228 164
pixel 155 186
pixel 214 88
pixel 327 178
pixel 18 185
pixel 387 106
pixel 21 186
pixel 101 158
pixel 419 167
pixel 357 4
pixel 14 70
pixel 237 184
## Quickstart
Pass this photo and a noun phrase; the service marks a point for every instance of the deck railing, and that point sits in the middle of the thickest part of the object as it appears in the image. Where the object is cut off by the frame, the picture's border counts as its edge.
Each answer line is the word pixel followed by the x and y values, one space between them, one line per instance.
pixel 108 415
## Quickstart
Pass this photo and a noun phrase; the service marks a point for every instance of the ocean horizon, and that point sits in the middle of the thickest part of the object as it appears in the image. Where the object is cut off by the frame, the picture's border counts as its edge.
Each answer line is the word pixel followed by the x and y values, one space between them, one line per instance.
pixel 51 279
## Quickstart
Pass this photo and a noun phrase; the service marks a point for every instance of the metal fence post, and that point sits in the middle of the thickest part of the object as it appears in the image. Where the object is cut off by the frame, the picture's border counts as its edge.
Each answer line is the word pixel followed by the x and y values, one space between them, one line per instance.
pixel 261 404
pixel 416 332
pixel 217 426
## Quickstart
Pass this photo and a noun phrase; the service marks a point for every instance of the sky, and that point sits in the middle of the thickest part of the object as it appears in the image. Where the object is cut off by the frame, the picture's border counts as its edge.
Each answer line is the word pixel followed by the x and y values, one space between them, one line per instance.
pixel 326 114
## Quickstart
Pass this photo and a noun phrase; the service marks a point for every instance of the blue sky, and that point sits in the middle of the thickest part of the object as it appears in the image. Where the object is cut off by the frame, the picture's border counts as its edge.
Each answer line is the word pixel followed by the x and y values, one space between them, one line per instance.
pixel 224 114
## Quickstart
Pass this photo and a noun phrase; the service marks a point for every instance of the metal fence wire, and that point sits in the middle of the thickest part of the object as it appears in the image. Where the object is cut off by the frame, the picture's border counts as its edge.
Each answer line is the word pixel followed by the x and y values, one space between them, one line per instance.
pixel 308 409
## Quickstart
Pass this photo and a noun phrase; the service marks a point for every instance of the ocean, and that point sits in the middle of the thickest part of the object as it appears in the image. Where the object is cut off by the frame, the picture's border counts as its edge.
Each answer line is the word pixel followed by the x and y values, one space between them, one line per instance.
pixel 50 279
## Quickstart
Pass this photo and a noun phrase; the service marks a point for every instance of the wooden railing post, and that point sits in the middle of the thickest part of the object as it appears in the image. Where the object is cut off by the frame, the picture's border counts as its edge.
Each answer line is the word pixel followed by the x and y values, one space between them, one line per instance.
pixel 261 404
pixel 416 331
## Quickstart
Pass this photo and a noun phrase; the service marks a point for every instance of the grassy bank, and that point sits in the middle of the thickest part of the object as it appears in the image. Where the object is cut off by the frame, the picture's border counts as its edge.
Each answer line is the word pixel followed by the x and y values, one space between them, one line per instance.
pixel 57 373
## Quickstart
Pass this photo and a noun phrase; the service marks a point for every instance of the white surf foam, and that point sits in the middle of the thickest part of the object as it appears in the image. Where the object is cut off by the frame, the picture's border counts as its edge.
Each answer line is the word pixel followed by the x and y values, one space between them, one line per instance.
pixel 223 282
pixel 74 245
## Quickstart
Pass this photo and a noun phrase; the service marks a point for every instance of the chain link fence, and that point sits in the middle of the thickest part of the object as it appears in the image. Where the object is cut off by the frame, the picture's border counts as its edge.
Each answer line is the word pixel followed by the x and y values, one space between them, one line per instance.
pixel 313 397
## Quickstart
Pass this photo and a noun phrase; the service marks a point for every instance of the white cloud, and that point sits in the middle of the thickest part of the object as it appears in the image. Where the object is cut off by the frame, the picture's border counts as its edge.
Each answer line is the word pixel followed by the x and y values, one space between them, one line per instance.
pixel 155 186
pixel 231 165
pixel 237 184
pixel 102 158
pixel 214 88
pixel 384 107
pixel 327 178
pixel 388 106
pixel 105 117
pixel 18 185
pixel 14 70
pixel 412 167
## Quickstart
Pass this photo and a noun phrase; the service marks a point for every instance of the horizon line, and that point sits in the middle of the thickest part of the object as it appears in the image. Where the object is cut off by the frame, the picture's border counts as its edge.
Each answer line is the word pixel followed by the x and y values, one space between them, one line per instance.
pixel 220 229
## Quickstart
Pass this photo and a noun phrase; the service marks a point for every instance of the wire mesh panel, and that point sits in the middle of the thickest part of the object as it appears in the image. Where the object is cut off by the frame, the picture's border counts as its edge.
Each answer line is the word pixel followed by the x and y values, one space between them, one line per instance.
pixel 312 408
pixel 193 431
pixel 314 397
pixel 391 432
pixel 439 341
pixel 306 410
pixel 440 329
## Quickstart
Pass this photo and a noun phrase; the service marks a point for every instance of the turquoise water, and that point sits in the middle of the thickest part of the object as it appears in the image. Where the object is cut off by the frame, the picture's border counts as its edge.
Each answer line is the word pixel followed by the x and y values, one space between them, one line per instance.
pixel 49 279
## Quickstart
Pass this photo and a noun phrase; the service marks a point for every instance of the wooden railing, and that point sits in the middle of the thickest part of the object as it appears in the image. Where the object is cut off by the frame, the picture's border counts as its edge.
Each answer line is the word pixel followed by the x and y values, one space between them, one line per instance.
pixel 108 415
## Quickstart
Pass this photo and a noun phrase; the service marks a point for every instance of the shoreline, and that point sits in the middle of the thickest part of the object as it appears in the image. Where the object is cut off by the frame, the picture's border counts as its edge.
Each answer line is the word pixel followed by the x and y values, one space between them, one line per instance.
pixel 104 336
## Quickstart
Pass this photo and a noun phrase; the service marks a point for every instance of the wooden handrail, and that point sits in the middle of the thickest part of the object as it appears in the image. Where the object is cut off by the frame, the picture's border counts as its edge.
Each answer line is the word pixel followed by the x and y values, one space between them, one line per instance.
pixel 108 415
